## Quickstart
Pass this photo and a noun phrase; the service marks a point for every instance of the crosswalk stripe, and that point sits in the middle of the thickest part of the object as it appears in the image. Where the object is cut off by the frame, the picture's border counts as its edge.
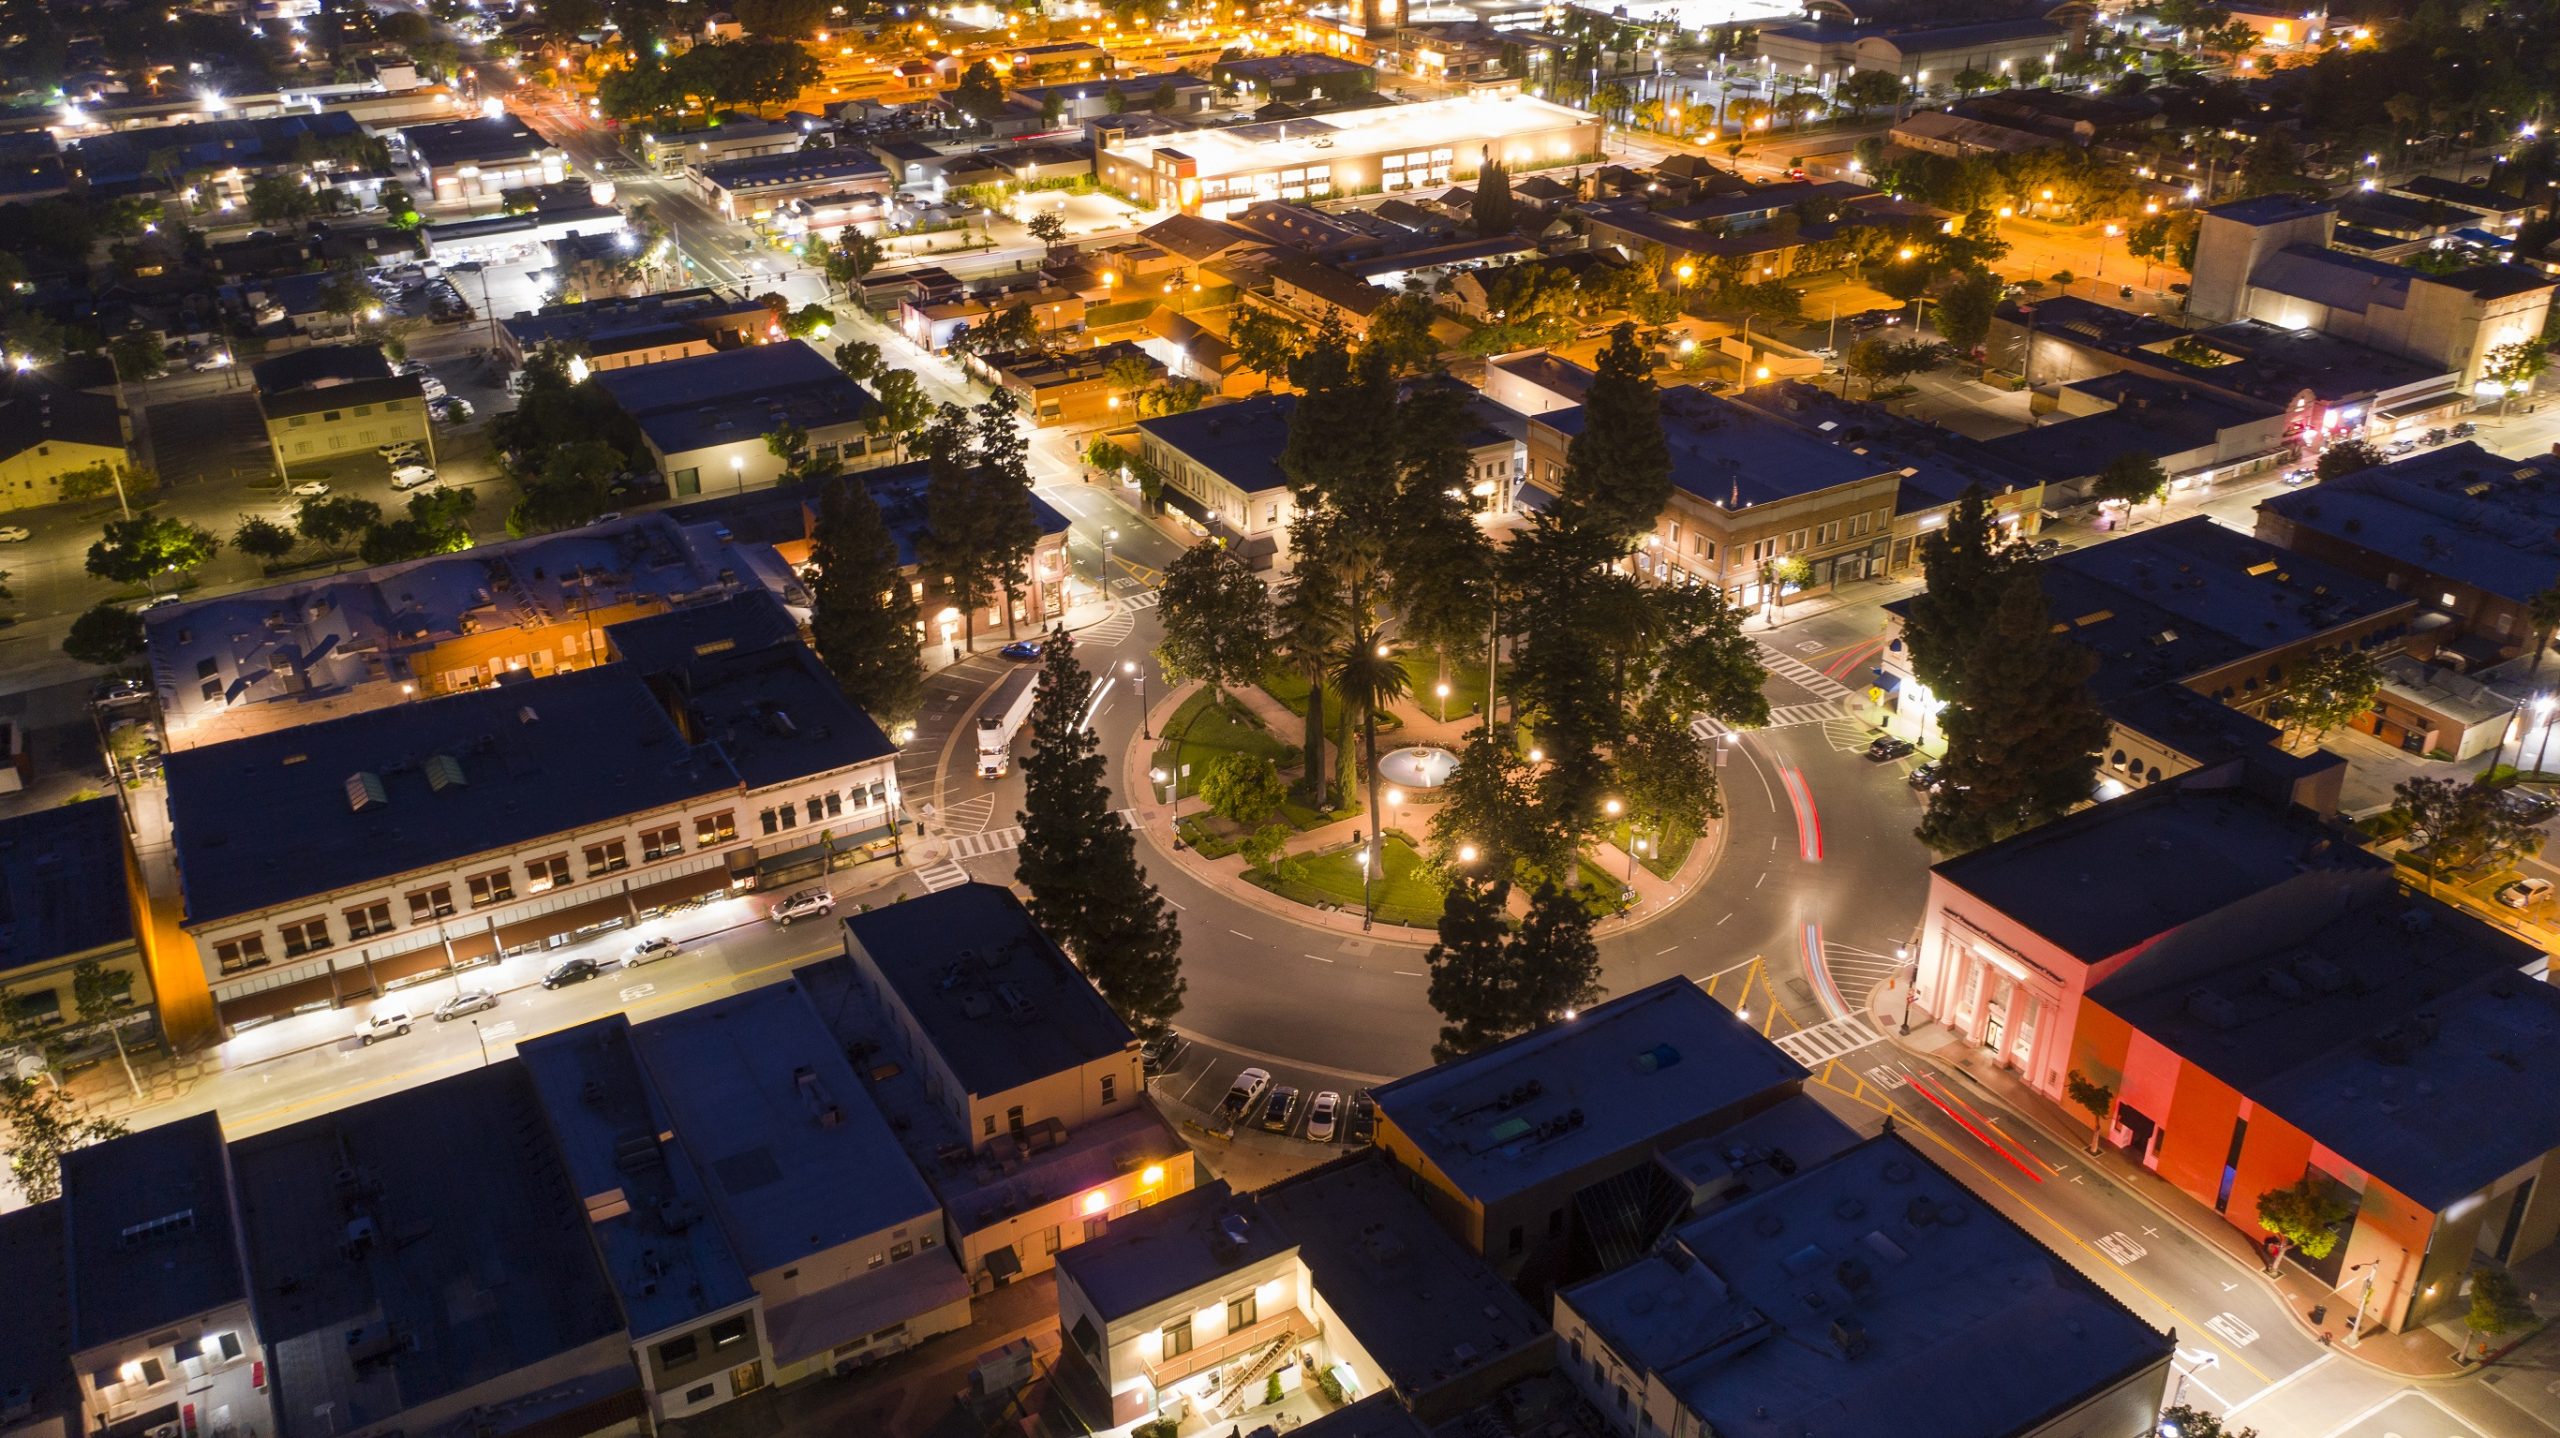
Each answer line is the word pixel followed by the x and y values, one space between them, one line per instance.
pixel 941 877
pixel 1144 598
pixel 1802 675
pixel 994 841
pixel 1785 716
pixel 1828 1040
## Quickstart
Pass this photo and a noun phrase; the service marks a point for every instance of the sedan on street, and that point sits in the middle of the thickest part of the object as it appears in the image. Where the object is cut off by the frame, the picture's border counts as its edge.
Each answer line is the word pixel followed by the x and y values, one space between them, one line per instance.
pixel 470 1001
pixel 309 489
pixel 571 971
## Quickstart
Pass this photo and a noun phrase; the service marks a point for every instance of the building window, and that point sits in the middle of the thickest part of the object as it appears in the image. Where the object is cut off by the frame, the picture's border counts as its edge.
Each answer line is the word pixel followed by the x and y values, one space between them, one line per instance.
pixel 1110 1089
pixel 902 1250
pixel 700 1393
pixel 666 843
pixel 435 903
pixel 710 829
pixel 307 937
pixel 296 421
pixel 371 919
pixel 677 1352
pixel 543 875
pixel 606 858
pixel 330 416
pixel 249 951
pixel 729 1330
pixel 495 887
pixel 1242 1313
pixel 1519 1239
pixel 1013 1118
pixel 1177 1338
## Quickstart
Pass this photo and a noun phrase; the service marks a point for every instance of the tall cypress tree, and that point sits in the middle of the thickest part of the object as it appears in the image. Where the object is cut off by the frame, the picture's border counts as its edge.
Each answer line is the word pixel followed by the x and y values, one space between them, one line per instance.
pixel 1001 479
pixel 2022 737
pixel 1618 469
pixel 863 610
pixel 1079 859
pixel 1493 200
pixel 1964 570
pixel 1470 969
pixel 958 542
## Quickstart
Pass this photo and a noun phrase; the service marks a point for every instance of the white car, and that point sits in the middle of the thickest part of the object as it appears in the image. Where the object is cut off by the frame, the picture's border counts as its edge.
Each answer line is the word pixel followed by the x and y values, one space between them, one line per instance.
pixel 398 449
pixel 13 534
pixel 410 476
pixel 1324 1117
pixel 804 904
pixel 219 359
pixel 384 1024
pixel 2525 893
pixel 309 489
pixel 1247 1088
pixel 649 951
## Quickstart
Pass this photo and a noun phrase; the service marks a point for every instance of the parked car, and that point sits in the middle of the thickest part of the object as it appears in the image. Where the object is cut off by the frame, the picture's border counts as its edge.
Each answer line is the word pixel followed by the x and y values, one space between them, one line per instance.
pixel 649 951
pixel 1924 776
pixel 571 971
pixel 1324 1117
pixel 2525 893
pixel 1157 1054
pixel 807 903
pixel 13 534
pixel 411 475
pixel 216 359
pixel 449 410
pixel 1279 1109
pixel 2465 430
pixel 398 450
pixel 2530 805
pixel 1887 748
pixel 382 1024
pixel 1240 1095
pixel 118 689
pixel 1363 1128
pixel 309 489
pixel 2300 474
pixel 470 1001
pixel 1021 649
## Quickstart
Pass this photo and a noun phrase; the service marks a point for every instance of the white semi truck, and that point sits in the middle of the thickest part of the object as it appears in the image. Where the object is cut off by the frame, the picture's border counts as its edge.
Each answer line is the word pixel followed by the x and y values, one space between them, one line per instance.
pixel 1001 717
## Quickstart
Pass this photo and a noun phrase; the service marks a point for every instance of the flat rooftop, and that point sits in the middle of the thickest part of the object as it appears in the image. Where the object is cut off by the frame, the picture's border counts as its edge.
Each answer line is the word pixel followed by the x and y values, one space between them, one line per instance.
pixel 474 141
pixel 798 1156
pixel 1734 456
pixel 36 1361
pixel 598 324
pixel 646 1205
pixel 797 167
pixel 736 396
pixel 62 890
pixel 1171 1248
pixel 305 812
pixel 476 1253
pixel 1617 1078
pixel 1240 443
pixel 147 1227
pixel 2458 511
pixel 2119 874
pixel 995 997
pixel 2262 361
pixel 2373 1023
pixel 1870 1294
pixel 1503 121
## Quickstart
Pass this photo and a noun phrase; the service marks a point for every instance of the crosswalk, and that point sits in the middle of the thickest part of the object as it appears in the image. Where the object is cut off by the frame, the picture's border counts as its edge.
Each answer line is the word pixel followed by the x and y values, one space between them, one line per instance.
pixel 1143 599
pixel 941 877
pixel 1785 716
pixel 1828 1040
pixel 1803 676
pixel 993 841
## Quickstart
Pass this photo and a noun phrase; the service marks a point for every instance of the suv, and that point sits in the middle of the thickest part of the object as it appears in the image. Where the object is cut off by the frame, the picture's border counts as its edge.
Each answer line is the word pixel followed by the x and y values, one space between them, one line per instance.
pixel 383 1024
pixel 802 905
pixel 1248 1087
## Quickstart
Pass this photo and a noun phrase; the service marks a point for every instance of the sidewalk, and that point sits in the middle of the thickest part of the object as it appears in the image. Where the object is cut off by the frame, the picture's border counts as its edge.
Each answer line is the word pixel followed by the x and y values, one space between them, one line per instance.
pixel 1655 895
pixel 2420 1354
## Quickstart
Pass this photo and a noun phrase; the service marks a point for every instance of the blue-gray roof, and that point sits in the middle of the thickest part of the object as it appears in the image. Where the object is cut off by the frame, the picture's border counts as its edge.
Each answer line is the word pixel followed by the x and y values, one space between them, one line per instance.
pixel 943 953
pixel 1733 456
pixel 796 167
pixel 268 819
pixel 1240 443
pixel 62 889
pixel 148 1225
pixel 475 141
pixel 2460 512
pixel 732 395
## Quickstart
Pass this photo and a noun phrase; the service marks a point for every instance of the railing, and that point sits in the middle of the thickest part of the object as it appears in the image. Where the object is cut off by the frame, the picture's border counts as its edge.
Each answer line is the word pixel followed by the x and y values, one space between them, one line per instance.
pixel 1204 1356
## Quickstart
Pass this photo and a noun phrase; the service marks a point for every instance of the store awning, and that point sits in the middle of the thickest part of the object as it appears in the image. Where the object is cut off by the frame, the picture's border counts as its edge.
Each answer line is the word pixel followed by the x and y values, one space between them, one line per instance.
pixel 611 911
pixel 264 1004
pixel 1176 499
pixel 1889 683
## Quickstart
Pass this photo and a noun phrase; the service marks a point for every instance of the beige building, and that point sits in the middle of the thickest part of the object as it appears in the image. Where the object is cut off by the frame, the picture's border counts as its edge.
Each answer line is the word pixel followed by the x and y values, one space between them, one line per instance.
pixel 48 433
pixel 338 399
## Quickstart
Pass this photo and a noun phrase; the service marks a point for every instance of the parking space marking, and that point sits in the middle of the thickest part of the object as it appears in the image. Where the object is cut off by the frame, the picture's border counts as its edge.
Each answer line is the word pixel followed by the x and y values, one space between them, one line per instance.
pixel 638 991
pixel 2232 1330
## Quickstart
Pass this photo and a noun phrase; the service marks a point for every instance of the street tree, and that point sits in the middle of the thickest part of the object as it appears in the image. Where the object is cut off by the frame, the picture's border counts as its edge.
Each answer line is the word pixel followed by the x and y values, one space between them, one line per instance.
pixel 1964 570
pixel 979 95
pixel 852 256
pixel 1049 228
pixel 2131 479
pixel 137 357
pixel 1003 482
pixel 99 997
pixel 2514 366
pixel 1618 469
pixel 106 635
pixel 1369 679
pixel 863 610
pixel 2304 1217
pixel 2022 737
pixel 1665 777
pixel 1972 298
pixel 859 359
pixel 1308 624
pixel 2347 456
pixel 1264 342
pixel 1470 968
pixel 903 408
pixel 1871 90
pixel 2455 825
pixel 330 522
pixel 572 486
pixel 1493 210
pixel 97 481
pixel 789 443
pixel 2328 688
pixel 263 539
pixel 2497 1308
pixel 1489 806
pixel 956 544
pixel 133 551
pixel 1246 788
pixel 43 1127
pixel 1216 617
pixel 1400 332
pixel 2542 611
pixel 1880 361
pixel 2191 1422
pixel 2098 1099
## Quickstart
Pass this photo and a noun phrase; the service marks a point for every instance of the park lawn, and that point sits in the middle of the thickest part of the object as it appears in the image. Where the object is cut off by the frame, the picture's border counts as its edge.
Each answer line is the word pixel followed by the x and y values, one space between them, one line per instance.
pixel 1600 887
pixel 1464 676
pixel 1406 895
pixel 1303 817
pixel 1201 732
pixel 1664 854
pixel 1288 684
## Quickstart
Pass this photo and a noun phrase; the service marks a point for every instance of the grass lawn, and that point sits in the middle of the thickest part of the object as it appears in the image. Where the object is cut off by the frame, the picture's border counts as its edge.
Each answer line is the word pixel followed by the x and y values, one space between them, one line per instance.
pixel 1303 817
pixel 1288 684
pixel 1406 895
pixel 1203 732
pixel 1662 858
pixel 1600 887
pixel 1464 676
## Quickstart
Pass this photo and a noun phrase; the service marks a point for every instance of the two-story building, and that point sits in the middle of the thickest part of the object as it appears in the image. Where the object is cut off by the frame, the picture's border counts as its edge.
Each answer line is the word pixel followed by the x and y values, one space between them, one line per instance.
pixel 337 399
pixel 705 417
pixel 643 329
pixel 50 433
pixel 71 889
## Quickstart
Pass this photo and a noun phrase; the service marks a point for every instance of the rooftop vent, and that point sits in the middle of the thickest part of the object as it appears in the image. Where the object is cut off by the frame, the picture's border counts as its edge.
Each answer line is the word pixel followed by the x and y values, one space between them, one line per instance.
pixel 2212 1010
pixel 444 772
pixel 365 791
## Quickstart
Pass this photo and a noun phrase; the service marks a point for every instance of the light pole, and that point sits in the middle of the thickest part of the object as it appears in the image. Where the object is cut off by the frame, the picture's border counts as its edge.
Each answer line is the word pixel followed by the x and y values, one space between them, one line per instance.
pixel 1634 848
pixel 1138 677
pixel 1368 909
pixel 1109 538
pixel 1443 691
pixel 484 1042
pixel 738 470
pixel 2542 706
pixel 2364 1296
pixel 1910 983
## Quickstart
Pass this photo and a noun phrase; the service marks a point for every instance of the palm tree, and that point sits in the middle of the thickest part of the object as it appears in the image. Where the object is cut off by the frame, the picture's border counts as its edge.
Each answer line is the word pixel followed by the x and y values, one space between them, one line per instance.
pixel 2542 611
pixel 1308 623
pixel 1366 673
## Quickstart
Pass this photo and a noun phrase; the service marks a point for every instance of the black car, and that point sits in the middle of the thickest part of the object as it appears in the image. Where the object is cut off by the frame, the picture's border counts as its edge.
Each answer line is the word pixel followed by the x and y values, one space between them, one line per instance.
pixel 2529 805
pixel 1887 749
pixel 571 971
pixel 1924 777
pixel 1157 1054
pixel 1282 1107
pixel 1363 1125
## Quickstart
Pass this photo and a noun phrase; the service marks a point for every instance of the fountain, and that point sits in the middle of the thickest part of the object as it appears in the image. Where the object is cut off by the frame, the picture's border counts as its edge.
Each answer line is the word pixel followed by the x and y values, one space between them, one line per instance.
pixel 1420 768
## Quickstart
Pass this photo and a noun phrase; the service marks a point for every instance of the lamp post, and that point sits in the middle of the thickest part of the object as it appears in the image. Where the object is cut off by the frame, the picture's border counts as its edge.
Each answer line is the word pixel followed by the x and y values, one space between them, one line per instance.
pixel 1442 690
pixel 1634 848
pixel 2364 1296
pixel 1368 909
pixel 2542 706
pixel 1110 537
pixel 738 470
pixel 1138 677
pixel 1910 983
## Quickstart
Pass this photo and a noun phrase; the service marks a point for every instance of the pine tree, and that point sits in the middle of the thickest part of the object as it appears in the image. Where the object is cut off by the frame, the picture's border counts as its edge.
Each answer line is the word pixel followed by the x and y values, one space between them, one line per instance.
pixel 1493 214
pixel 1558 962
pixel 1065 805
pixel 863 617
pixel 1470 969
pixel 1132 948
pixel 1618 469
pixel 958 542
pixel 1964 569
pixel 1216 615
pixel 2022 738
pixel 1001 479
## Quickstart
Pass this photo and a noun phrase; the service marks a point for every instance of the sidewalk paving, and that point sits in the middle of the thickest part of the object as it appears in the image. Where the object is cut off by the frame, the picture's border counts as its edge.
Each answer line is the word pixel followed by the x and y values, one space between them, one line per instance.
pixel 2421 1354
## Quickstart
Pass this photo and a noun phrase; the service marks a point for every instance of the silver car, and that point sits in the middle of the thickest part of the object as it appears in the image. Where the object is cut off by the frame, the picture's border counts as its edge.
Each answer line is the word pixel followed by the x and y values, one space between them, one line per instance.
pixel 470 1001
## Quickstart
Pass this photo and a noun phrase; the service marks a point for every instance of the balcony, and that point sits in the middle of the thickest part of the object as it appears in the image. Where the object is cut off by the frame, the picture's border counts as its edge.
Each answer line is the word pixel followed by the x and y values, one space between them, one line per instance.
pixel 1205 1356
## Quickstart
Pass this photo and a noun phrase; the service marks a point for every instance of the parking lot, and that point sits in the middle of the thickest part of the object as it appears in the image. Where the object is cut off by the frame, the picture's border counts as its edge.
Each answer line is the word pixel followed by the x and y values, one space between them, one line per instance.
pixel 1201 1074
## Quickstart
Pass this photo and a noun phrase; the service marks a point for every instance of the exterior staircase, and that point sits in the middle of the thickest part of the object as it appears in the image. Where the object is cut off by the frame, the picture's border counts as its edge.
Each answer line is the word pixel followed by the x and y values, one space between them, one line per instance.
pixel 1232 1398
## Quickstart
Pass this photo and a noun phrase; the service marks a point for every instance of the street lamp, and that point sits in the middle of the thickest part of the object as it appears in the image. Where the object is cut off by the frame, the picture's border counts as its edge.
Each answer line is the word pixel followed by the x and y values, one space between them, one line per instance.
pixel 738 471
pixel 1110 537
pixel 1466 853
pixel 1368 909
pixel 1138 677
pixel 1911 982
pixel 1443 691
pixel 2542 706
pixel 1633 849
